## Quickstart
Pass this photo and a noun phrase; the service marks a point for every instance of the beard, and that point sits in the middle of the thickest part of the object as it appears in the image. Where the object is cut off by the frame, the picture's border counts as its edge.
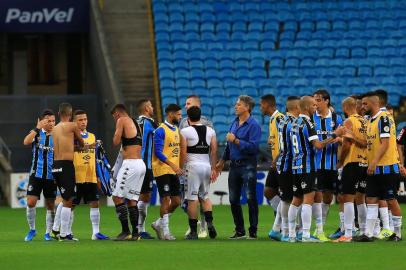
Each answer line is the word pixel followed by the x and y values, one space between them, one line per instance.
pixel 175 122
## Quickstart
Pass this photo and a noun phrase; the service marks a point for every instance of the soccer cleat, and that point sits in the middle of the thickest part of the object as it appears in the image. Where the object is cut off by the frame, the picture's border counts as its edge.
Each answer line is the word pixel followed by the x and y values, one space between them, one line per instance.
pixel 192 236
pixel 299 236
pixel 169 237
pixel 30 235
pixel 187 231
pixel 363 238
pixel 99 236
pixel 212 230
pixel 394 238
pixel 285 238
pixel 321 236
pixel 70 236
pixel 135 237
pixel 238 236
pixel 337 234
pixel 123 236
pixel 146 236
pixel 292 240
pixel 202 233
pixel 68 239
pixel 385 233
pixel 158 229
pixel 311 240
pixel 55 234
pixel 252 236
pixel 275 235
pixel 47 237
pixel 343 239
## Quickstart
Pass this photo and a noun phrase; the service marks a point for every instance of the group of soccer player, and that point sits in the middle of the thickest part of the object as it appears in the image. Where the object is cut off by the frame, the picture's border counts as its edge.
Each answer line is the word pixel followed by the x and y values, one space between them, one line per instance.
pixel 316 154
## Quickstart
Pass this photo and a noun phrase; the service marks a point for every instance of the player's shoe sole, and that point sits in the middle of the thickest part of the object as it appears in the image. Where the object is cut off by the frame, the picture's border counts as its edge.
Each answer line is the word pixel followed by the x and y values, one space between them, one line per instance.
pixel 212 231
pixel 47 237
pixel 343 239
pixel 123 236
pixel 311 240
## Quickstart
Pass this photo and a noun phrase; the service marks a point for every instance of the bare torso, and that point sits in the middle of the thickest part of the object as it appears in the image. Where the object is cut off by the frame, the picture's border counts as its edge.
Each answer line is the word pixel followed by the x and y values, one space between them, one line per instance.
pixel 63 136
pixel 130 131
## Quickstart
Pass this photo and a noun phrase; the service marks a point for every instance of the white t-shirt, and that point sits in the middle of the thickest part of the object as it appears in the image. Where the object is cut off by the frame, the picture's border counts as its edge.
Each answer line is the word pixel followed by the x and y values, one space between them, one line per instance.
pixel 192 138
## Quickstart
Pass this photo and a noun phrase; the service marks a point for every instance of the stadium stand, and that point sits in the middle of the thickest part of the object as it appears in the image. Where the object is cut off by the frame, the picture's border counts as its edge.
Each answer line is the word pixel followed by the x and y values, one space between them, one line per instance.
pixel 219 50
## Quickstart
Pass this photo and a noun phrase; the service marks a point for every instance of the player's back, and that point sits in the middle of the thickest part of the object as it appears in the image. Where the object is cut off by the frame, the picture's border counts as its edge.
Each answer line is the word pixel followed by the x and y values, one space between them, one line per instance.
pixel 359 128
pixel 63 136
pixel 285 154
pixel 302 133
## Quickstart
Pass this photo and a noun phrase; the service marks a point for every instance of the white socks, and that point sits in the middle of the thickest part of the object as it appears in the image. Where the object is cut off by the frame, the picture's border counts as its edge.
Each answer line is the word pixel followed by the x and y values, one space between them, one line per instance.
pixel 372 215
pixel 278 219
pixel 165 224
pixel 49 220
pixel 397 225
pixel 95 219
pixel 349 216
pixel 324 211
pixel 317 213
pixel 292 213
pixel 72 215
pixel 391 221
pixel 341 221
pixel 142 215
pixel 362 217
pixel 57 219
pixel 306 219
pixel 65 221
pixel 275 202
pixel 285 217
pixel 384 216
pixel 31 214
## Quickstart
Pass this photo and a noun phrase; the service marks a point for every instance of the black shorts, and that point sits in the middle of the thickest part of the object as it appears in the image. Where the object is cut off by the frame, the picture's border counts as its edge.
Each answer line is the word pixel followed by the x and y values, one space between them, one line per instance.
pixel 285 181
pixel 303 183
pixel 89 192
pixel 272 180
pixel 353 178
pixel 148 182
pixel 64 174
pixel 382 186
pixel 327 180
pixel 168 185
pixel 38 185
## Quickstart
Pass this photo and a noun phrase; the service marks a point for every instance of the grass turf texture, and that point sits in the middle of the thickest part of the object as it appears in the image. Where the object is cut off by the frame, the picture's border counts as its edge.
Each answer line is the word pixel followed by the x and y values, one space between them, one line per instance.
pixel 180 254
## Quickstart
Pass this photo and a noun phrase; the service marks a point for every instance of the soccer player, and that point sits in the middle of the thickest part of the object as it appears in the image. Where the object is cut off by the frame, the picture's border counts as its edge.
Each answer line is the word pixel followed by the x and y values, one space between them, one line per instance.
pixel 85 174
pixel 130 175
pixel 199 155
pixel 304 138
pixel 147 126
pixel 165 166
pixel 354 162
pixel 63 170
pixel 191 101
pixel 41 179
pixel 383 169
pixel 284 162
pixel 271 191
pixel 326 121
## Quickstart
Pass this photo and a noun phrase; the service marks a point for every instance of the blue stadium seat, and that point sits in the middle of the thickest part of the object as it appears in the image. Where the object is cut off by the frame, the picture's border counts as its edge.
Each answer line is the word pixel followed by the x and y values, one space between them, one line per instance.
pixel 166 74
pixel 373 25
pixel 304 35
pixel 231 83
pixel 307 26
pixel 300 44
pixel 167 84
pixel 258 73
pixel 342 53
pixel 358 53
pixel 315 44
pixel 365 72
pixel 390 43
pixel 373 43
pixel 389 25
pixel 307 63
pixel 390 52
pixel 161 17
pixel 311 73
pixel 354 82
pixel 287 36
pixel 290 27
pixel 243 74
pixel 326 53
pixel 292 63
pixel 397 62
pixel 374 52
pixel 380 62
pixel 192 37
pixel 336 83
pixel 348 72
pixel 356 25
pixel 310 54
pixel 168 93
pixel 319 83
pixel 330 73
pixel 322 63
pixel 339 26
pixel 371 82
pixel 181 46
pixel 276 73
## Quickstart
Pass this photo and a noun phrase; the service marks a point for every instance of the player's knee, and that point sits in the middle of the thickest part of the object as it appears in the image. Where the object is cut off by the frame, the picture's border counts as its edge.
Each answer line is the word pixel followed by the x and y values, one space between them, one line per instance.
pixel 31 202
pixel 67 203
pixel 145 197
pixel 50 204
pixel 175 201
pixel 94 204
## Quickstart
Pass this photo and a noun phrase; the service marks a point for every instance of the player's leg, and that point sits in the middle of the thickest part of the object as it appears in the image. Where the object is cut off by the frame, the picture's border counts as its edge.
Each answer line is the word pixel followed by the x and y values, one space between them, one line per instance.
pixel 250 181
pixel 391 191
pixel 285 183
pixel 67 187
pixel 308 185
pixel 91 197
pixel 235 182
pixel 294 207
pixel 174 202
pixel 143 204
pixel 163 183
pixel 50 196
pixel 192 185
pixel 34 190
pixel 271 193
pixel 56 227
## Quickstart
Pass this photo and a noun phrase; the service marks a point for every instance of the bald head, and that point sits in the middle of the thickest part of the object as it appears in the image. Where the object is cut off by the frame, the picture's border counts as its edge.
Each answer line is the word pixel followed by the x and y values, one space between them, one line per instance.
pixel 307 105
pixel 349 106
pixel 292 105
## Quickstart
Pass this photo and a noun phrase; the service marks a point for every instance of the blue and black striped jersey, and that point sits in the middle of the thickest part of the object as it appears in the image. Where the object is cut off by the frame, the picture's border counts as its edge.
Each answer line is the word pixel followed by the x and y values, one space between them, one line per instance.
pixel 42 156
pixel 327 157
pixel 302 134
pixel 284 161
pixel 147 126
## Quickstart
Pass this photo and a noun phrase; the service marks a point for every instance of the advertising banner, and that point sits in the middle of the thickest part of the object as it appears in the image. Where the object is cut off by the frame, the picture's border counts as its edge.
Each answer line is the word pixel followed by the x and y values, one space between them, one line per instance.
pixel 18 185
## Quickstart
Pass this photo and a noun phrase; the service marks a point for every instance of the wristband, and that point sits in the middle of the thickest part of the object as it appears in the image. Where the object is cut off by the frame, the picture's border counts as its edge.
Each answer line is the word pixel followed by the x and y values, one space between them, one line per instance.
pixel 334 135
pixel 36 130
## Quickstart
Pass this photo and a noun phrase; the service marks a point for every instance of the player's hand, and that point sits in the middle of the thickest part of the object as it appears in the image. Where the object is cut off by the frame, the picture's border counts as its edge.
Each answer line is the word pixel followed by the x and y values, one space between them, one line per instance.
pixel 403 171
pixel 42 123
pixel 340 131
pixel 177 170
pixel 220 166
pixel 213 176
pixel 371 168
pixel 230 137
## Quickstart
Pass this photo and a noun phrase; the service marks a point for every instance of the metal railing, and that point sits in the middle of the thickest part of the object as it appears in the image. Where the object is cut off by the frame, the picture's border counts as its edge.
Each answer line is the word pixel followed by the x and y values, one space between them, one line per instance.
pixel 4 150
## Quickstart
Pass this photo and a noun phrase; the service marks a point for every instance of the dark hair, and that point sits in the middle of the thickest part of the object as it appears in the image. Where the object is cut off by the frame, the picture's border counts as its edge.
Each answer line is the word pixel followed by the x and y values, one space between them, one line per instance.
pixel 65 109
pixel 172 108
pixel 248 101
pixel 389 107
pixel 270 99
pixel 194 113
pixel 140 105
pixel 324 94
pixel 370 94
pixel 79 112
pixel 383 96
pixel 46 112
pixel 119 108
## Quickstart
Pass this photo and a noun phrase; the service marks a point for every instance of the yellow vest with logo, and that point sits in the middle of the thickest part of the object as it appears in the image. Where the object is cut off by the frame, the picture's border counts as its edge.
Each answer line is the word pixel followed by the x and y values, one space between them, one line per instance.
pixel 373 139
pixel 85 162
pixel 171 150
pixel 273 134
pixel 359 128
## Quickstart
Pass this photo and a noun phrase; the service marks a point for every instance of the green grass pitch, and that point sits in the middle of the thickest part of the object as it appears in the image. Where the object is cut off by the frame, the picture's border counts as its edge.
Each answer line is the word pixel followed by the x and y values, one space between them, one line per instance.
pixel 180 254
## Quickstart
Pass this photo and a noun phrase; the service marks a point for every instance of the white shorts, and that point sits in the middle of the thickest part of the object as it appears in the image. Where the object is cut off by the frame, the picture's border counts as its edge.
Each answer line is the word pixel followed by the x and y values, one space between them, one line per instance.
pixel 197 181
pixel 129 179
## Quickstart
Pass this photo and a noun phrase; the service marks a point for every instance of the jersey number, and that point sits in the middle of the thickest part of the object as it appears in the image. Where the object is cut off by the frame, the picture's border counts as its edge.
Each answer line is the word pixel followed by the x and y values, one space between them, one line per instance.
pixel 295 144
